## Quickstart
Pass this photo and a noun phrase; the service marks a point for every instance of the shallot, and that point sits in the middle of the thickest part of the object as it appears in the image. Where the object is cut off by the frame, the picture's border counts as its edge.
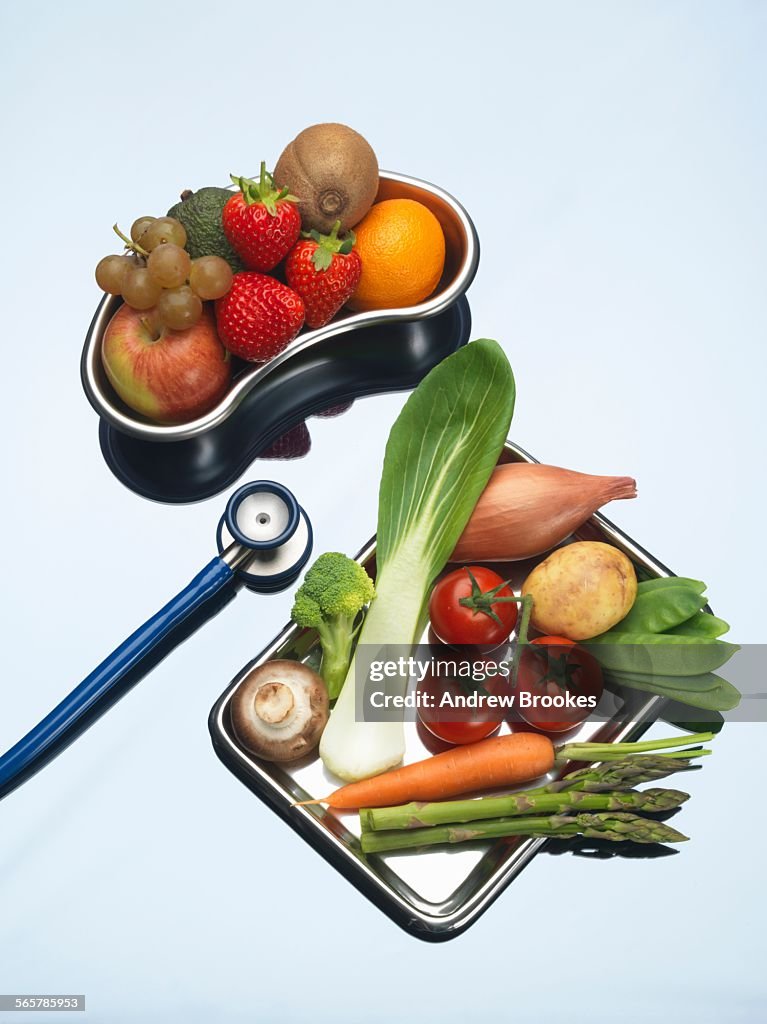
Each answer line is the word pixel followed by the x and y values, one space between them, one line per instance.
pixel 527 509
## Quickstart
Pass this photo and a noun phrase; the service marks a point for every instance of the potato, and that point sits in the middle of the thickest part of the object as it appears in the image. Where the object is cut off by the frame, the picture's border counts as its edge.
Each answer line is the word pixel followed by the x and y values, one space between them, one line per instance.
pixel 581 590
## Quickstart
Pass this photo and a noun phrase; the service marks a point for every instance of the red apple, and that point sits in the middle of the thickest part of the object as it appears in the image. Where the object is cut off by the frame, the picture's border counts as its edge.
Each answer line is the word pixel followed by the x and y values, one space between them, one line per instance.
pixel 167 376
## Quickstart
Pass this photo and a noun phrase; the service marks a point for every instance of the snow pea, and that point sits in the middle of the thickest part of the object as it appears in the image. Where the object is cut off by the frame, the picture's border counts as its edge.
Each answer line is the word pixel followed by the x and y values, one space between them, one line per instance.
pixel 708 691
pixel 701 625
pixel 675 713
pixel 656 611
pixel 702 681
pixel 663 654
pixel 661 582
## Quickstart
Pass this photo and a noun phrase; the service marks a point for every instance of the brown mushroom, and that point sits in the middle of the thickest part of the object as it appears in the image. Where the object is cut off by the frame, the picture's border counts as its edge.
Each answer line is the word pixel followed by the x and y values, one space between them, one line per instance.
pixel 279 710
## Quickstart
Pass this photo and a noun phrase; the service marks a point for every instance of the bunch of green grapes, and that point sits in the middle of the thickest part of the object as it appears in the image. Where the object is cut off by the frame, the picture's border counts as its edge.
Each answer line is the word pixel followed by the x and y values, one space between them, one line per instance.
pixel 157 271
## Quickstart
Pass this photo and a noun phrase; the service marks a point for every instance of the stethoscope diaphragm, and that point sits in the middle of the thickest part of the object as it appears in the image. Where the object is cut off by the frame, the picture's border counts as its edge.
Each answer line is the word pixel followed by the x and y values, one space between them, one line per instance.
pixel 272 569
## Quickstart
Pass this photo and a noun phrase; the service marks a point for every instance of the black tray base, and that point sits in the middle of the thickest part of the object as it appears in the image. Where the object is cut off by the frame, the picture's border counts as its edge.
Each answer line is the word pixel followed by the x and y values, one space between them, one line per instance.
pixel 368 361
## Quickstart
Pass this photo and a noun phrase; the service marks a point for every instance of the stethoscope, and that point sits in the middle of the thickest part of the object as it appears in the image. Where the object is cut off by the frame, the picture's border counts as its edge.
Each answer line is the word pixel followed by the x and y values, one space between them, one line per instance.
pixel 264 540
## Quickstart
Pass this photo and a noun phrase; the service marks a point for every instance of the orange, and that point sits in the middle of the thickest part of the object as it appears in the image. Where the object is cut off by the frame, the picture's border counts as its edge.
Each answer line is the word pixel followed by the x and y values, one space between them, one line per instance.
pixel 402 249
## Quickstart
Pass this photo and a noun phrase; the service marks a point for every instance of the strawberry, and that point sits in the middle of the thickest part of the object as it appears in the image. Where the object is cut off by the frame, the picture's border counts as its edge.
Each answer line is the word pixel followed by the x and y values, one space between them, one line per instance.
pixel 258 316
pixel 293 444
pixel 261 222
pixel 324 270
pixel 335 410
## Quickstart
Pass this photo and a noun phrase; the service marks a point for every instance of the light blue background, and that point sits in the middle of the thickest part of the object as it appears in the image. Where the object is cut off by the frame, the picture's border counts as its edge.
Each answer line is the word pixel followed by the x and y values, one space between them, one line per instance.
pixel 613 158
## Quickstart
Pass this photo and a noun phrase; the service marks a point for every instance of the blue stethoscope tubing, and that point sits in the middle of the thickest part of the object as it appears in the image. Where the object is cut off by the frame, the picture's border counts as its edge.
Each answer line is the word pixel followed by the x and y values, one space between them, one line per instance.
pixel 212 588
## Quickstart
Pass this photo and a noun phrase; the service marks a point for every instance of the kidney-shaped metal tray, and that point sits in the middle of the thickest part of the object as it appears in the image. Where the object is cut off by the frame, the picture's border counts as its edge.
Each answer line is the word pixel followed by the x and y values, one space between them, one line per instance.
pixel 369 361
pixel 434 894
pixel 461 258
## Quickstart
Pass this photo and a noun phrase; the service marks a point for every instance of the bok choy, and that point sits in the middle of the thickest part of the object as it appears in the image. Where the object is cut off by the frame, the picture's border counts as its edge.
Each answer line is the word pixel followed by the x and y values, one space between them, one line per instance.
pixel 439 456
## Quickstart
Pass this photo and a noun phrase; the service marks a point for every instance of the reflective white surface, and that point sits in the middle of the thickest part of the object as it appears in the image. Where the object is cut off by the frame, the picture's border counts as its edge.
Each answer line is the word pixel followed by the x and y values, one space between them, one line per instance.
pixel 612 156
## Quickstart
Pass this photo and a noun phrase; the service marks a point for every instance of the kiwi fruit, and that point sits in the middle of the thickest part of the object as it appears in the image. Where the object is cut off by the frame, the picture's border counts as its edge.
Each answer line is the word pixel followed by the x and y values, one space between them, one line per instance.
pixel 334 173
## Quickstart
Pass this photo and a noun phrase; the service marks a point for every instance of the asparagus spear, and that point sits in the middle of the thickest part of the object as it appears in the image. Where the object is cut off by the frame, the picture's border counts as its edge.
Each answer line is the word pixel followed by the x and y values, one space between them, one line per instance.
pixel 608 777
pixel 418 815
pixel 632 771
pixel 614 826
pixel 618 751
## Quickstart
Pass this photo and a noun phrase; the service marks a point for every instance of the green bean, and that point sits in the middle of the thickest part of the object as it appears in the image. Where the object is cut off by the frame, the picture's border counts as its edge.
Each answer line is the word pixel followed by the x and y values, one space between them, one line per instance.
pixel 701 625
pixel 656 611
pixel 659 653
pixel 722 696
pixel 660 582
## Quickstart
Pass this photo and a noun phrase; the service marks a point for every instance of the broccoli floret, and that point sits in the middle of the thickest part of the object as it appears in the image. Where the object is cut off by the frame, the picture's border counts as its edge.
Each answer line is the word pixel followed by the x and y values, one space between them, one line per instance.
pixel 334 592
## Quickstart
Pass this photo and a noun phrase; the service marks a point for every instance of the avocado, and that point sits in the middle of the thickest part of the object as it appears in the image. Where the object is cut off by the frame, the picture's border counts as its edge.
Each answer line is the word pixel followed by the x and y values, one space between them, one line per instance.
pixel 200 213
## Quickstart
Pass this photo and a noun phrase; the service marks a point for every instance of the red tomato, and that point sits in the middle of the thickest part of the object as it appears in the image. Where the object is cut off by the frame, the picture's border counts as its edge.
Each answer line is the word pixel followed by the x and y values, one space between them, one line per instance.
pixel 559 671
pixel 458 724
pixel 458 733
pixel 471 606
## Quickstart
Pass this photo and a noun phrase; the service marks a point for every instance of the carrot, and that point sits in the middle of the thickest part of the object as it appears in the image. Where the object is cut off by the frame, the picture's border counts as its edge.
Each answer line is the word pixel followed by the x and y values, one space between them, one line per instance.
pixel 498 761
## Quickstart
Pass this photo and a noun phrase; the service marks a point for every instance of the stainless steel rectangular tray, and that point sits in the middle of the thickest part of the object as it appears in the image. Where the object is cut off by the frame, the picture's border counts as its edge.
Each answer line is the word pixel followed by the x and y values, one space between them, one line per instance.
pixel 433 895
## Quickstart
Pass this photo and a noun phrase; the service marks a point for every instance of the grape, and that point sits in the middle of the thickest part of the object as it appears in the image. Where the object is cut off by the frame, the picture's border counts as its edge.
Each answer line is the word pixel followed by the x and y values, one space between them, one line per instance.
pixel 164 229
pixel 139 227
pixel 179 308
pixel 169 264
pixel 110 273
pixel 210 277
pixel 140 290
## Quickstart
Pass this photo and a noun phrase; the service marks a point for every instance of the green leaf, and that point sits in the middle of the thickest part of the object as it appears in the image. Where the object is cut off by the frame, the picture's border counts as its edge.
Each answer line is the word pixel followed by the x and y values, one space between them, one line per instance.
pixel 322 258
pixel 440 454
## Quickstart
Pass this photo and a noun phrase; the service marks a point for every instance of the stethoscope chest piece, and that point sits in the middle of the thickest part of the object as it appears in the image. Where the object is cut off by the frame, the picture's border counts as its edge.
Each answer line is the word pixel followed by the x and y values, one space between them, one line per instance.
pixel 265 517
